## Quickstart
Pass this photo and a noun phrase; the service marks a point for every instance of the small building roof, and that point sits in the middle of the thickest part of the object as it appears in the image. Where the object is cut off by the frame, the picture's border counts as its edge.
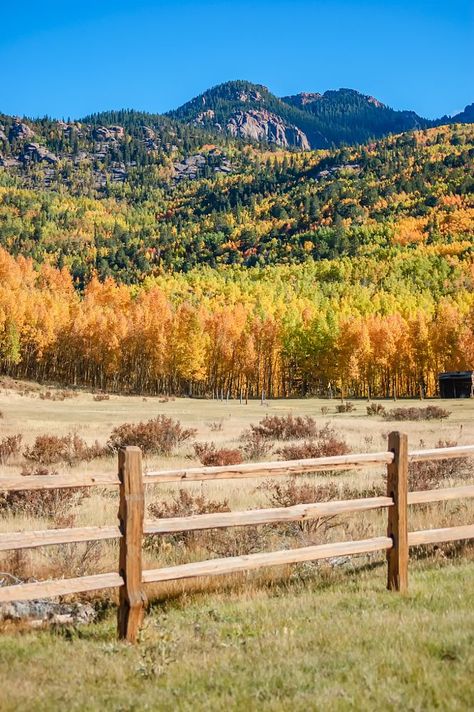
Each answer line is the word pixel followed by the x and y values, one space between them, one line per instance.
pixel 456 374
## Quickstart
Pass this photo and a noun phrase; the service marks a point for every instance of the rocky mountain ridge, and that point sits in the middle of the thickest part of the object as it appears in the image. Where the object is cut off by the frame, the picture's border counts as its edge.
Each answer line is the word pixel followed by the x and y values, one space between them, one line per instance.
pixel 305 120
pixel 263 125
pixel 103 149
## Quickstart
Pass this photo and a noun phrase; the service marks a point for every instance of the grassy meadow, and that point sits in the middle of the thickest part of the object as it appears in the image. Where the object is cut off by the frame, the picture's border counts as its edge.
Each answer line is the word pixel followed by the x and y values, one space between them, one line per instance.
pixel 311 636
pixel 338 642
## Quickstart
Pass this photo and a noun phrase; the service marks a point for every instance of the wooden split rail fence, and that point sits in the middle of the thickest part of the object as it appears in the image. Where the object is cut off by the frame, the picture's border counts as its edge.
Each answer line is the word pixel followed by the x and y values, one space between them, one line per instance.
pixel 131 577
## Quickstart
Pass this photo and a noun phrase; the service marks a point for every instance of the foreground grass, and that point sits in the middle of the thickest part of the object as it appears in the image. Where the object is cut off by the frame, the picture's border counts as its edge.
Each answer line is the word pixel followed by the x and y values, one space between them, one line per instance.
pixel 340 644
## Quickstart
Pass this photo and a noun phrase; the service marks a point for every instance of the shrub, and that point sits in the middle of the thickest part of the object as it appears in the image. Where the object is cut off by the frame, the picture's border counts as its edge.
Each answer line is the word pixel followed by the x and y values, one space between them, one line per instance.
pixel 255 446
pixel 184 504
pixel 431 412
pixel 324 410
pixel 47 449
pixel 71 449
pixel 376 409
pixel 285 427
pixel 9 447
pixel 101 397
pixel 160 435
pixel 72 559
pixel 376 489
pixel 221 542
pixel 347 407
pixel 428 475
pixel 215 426
pixel 290 492
pixel 47 503
pixel 327 443
pixel 209 455
pixel 57 395
pixel 236 541
pixel 368 441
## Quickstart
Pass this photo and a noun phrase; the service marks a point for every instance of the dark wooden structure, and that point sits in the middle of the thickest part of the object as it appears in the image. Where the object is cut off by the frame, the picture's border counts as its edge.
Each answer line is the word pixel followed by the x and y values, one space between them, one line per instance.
pixel 456 384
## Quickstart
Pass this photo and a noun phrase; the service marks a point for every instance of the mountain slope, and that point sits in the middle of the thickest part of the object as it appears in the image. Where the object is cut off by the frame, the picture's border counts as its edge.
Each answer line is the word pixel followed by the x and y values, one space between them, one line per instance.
pixel 346 116
pixel 234 205
pixel 228 114
pixel 251 111
pixel 332 118
pixel 464 117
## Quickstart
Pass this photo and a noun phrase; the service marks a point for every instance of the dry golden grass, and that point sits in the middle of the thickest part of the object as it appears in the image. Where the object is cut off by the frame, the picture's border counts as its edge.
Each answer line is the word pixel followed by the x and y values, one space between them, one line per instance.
pixel 222 423
pixel 324 626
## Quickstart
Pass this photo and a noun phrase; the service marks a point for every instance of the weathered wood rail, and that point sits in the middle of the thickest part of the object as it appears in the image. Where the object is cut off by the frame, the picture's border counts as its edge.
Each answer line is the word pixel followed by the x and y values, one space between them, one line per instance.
pixel 131 577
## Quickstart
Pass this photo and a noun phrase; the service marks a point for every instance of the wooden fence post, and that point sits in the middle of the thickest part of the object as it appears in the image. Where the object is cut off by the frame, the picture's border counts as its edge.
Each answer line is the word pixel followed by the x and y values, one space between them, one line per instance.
pixel 131 513
pixel 397 529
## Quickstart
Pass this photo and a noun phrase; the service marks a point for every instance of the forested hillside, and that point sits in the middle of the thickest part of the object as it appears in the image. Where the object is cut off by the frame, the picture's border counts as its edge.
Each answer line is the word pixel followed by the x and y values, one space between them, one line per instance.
pixel 243 205
pixel 306 120
pixel 159 257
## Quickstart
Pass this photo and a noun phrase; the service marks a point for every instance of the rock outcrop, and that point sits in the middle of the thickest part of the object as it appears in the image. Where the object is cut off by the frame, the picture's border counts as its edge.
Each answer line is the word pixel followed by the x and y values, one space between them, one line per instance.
pixel 303 98
pixel 204 116
pixel 262 125
pixel 150 137
pixel 35 152
pixel 19 130
pixel 108 133
pixel 192 167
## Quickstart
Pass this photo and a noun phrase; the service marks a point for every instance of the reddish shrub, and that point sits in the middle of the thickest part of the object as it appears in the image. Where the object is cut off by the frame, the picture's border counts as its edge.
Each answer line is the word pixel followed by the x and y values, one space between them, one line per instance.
pixel 431 412
pixel 285 427
pixel 255 446
pixel 222 542
pixel 9 447
pixel 160 435
pixel 347 407
pixel 291 492
pixel 209 455
pixel 428 475
pixel 47 503
pixel 376 409
pixel 57 395
pixel 71 449
pixel 326 443
pixel 184 504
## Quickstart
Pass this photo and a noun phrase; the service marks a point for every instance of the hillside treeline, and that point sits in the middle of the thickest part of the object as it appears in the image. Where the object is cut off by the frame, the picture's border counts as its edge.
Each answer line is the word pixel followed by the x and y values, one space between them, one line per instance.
pixel 274 207
pixel 356 327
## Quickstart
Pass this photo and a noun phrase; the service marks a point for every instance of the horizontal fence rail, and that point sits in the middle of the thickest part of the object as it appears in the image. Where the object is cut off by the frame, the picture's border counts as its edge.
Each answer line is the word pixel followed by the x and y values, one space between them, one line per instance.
pixel 226 472
pixel 195 522
pixel 232 564
pixel 59 587
pixel 132 526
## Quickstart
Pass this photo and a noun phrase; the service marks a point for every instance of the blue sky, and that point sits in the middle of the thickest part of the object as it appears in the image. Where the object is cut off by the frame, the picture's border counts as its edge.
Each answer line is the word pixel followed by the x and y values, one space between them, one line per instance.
pixel 67 59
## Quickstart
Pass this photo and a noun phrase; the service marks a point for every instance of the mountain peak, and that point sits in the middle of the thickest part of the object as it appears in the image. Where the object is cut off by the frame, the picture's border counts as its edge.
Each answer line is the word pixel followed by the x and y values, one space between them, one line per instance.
pixel 250 111
pixel 302 99
pixel 239 90
pixel 240 108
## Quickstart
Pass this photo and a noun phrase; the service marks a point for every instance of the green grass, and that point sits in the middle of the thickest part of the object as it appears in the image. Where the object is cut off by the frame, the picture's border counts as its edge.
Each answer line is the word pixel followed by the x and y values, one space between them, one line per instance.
pixel 334 642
